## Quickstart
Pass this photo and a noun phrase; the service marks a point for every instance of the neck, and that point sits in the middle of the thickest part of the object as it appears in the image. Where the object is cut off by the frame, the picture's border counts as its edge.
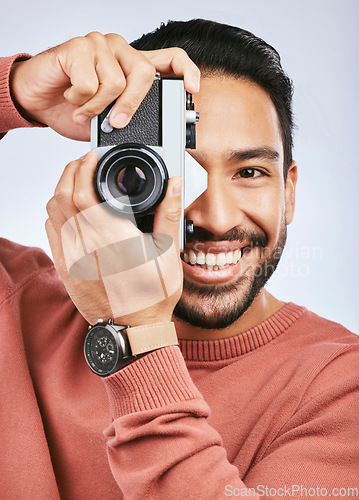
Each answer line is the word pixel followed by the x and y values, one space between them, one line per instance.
pixel 263 306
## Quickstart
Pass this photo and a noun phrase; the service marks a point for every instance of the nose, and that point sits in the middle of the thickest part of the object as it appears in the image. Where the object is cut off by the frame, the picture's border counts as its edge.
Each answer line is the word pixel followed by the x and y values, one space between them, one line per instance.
pixel 215 210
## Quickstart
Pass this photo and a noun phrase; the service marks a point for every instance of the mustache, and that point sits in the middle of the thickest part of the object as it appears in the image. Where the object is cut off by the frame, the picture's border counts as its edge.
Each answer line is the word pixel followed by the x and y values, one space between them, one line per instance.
pixel 202 235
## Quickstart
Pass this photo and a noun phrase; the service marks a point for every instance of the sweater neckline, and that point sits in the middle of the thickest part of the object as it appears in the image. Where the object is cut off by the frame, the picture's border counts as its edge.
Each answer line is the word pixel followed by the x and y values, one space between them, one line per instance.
pixel 250 340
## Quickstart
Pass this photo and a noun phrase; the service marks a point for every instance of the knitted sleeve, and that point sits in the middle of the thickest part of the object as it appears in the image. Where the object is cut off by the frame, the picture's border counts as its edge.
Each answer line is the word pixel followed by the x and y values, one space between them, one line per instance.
pixel 160 444
pixel 9 115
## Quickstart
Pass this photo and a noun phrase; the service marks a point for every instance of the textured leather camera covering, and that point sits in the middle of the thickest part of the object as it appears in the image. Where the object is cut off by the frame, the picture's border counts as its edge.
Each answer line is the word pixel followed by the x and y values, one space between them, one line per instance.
pixel 145 125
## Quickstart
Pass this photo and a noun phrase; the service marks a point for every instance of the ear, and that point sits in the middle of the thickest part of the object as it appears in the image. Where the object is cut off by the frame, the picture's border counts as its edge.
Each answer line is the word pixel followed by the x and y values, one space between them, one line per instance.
pixel 290 192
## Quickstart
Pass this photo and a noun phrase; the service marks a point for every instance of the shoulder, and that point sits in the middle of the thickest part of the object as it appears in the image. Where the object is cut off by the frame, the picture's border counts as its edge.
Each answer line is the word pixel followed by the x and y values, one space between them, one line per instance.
pixel 317 355
pixel 327 355
pixel 311 329
pixel 21 265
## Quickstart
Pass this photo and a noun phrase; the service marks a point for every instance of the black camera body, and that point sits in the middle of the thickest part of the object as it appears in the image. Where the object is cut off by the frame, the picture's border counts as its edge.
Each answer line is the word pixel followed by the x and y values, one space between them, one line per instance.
pixel 135 162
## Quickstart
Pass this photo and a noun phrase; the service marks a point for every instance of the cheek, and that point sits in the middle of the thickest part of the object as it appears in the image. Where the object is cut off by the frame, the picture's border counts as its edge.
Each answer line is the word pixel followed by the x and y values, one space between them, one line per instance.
pixel 264 209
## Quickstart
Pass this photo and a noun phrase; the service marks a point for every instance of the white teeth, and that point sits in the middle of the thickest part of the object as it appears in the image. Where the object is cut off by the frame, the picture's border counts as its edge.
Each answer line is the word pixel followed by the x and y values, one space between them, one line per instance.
pixel 229 258
pixel 201 258
pixel 192 257
pixel 210 259
pixel 236 256
pixel 221 259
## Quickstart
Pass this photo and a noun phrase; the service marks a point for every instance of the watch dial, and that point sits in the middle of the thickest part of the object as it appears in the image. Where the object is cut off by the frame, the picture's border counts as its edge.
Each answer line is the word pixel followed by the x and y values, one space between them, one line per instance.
pixel 101 350
pixel 105 350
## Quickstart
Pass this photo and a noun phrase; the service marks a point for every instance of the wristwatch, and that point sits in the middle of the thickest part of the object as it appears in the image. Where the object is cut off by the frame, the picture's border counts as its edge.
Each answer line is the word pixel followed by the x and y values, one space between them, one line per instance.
pixel 109 347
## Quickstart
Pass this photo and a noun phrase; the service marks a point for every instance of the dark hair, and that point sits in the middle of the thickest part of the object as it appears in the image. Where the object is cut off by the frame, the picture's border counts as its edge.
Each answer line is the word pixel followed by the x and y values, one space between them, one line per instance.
pixel 220 48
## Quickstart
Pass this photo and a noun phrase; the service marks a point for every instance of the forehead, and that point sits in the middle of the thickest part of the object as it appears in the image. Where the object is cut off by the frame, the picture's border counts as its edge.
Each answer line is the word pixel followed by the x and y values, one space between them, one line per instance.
pixel 236 113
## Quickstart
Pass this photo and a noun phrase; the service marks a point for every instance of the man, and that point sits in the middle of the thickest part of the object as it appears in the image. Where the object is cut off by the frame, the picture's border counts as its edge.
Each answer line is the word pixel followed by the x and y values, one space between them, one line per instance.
pixel 265 403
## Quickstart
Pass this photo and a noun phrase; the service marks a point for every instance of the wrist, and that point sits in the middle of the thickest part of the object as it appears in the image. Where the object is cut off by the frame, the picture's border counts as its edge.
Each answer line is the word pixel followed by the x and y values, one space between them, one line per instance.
pixel 16 90
pixel 10 118
pixel 110 347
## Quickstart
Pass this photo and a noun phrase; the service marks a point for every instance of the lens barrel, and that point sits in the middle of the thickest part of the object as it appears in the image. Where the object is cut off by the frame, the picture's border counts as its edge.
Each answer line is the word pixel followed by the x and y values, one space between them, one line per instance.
pixel 131 178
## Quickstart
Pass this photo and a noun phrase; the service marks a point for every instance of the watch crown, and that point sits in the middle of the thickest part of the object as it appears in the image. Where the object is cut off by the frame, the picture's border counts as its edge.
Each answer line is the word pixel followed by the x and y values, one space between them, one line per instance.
pixel 110 321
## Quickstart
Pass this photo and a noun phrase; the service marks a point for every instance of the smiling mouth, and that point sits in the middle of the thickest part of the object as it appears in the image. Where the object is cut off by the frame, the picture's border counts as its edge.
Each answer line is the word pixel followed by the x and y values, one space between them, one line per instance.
pixel 214 261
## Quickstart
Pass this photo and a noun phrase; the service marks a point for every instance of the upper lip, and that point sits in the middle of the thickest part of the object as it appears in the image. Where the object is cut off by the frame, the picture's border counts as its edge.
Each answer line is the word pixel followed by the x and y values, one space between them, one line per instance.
pixel 216 247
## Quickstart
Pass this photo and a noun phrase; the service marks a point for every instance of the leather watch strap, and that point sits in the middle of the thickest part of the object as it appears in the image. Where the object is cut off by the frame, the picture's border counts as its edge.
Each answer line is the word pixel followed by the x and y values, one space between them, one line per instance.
pixel 150 337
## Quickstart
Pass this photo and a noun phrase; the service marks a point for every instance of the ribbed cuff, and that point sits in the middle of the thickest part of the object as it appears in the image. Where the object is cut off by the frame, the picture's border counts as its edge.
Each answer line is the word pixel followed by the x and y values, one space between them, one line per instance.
pixel 158 379
pixel 10 118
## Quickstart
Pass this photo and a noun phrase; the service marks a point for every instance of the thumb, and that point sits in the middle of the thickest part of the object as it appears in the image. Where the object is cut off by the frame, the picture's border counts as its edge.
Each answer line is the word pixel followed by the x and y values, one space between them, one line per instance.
pixel 168 213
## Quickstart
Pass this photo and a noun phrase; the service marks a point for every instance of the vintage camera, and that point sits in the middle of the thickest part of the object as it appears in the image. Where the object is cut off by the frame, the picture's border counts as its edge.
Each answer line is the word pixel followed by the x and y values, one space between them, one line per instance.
pixel 136 162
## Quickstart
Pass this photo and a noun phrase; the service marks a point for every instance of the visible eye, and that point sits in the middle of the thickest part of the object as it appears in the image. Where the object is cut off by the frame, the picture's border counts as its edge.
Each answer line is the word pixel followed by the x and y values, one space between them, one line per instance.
pixel 249 173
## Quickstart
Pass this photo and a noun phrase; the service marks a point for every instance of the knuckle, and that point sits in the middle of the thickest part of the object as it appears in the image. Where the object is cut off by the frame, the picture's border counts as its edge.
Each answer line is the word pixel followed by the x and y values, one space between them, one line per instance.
pixel 146 69
pixel 80 199
pixel 95 36
pixel 79 43
pixel 118 84
pixel 179 52
pixel 51 206
pixel 87 88
pixel 115 38
pixel 173 215
pixel 61 196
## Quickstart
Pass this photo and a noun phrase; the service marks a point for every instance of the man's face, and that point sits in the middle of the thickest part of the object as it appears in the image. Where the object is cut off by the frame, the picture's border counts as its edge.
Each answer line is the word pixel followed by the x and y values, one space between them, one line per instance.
pixel 240 220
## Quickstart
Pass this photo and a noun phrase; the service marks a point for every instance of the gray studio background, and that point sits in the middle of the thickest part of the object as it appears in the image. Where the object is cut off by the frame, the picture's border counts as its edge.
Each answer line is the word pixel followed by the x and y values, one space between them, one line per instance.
pixel 318 42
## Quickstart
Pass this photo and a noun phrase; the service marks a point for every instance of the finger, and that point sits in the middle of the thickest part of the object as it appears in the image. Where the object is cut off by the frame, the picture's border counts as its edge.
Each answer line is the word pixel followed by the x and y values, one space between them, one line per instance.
pixel 166 225
pixel 65 189
pixel 97 224
pixel 77 61
pixel 168 214
pixel 68 235
pixel 175 61
pixel 139 73
pixel 55 245
pixel 55 214
pixel 66 251
pixel 112 83
pixel 138 83
pixel 115 61
pixel 84 194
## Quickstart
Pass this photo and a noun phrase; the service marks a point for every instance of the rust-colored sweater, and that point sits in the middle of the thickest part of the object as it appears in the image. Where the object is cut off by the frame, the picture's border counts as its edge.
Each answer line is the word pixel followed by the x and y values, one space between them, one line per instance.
pixel 274 408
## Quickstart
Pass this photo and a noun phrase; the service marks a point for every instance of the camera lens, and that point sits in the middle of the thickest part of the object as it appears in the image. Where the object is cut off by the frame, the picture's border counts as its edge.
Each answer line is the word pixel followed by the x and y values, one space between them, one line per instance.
pixel 131 178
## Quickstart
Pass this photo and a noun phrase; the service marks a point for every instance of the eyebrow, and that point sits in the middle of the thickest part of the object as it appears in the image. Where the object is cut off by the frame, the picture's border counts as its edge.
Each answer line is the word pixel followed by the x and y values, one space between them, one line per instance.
pixel 263 153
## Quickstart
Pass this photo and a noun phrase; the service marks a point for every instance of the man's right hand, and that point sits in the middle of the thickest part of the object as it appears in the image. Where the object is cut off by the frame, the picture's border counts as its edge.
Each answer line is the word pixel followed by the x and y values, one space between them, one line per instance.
pixel 68 85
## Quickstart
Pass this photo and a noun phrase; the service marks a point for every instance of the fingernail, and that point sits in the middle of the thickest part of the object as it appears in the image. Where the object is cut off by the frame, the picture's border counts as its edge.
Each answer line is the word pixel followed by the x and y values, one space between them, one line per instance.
pixel 81 119
pixel 177 187
pixel 119 120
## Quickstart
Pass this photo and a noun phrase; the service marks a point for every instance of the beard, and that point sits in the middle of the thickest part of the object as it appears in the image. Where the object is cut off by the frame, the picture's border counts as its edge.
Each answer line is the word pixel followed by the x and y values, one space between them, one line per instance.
pixel 219 306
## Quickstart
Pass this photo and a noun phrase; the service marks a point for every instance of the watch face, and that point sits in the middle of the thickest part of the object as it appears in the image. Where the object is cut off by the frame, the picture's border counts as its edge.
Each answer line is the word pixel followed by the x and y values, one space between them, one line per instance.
pixel 101 350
